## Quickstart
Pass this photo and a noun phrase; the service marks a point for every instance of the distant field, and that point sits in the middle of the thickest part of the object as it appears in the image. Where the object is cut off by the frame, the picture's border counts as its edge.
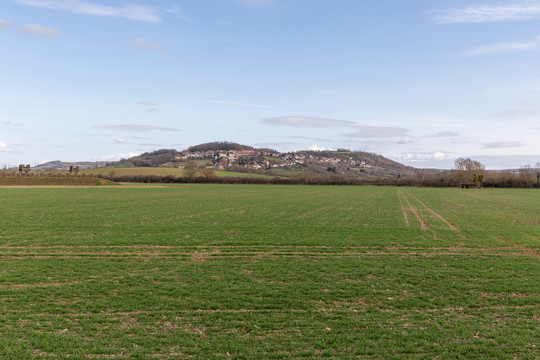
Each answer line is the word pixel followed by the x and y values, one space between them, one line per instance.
pixel 259 271
pixel 160 171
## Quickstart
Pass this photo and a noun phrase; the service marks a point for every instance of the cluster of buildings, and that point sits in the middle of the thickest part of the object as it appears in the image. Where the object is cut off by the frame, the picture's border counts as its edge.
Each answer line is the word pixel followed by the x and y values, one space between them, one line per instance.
pixel 257 159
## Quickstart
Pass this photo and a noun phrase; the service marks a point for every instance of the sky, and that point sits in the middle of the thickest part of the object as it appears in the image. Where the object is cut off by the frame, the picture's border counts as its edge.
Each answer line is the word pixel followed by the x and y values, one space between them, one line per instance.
pixel 422 82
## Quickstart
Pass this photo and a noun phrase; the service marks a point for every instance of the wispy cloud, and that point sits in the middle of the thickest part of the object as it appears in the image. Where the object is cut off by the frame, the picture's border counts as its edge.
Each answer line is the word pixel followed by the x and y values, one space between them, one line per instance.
pixel 408 140
pixel 274 144
pixel 504 47
pixel 9 123
pixel 120 141
pixel 4 24
pixel 117 156
pixel 518 113
pixel 146 102
pixel 412 157
pixel 377 131
pixel 236 103
pixel 177 13
pixel 5 148
pixel 445 134
pixel 134 128
pixel 503 144
pixel 38 30
pixel 145 44
pixel 527 10
pixel 311 138
pixel 318 148
pixel 132 12
pixel 300 121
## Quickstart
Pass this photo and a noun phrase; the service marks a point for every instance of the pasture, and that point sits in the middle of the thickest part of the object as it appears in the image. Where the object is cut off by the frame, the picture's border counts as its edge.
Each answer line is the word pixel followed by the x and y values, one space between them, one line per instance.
pixel 261 271
pixel 163 171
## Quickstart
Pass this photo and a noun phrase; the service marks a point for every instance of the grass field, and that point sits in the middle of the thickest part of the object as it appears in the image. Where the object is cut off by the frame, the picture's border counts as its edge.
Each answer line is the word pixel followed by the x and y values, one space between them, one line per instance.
pixel 250 271
pixel 161 171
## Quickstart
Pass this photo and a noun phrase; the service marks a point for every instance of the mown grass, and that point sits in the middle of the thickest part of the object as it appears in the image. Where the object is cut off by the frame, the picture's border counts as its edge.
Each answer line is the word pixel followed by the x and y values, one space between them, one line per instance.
pixel 162 171
pixel 247 271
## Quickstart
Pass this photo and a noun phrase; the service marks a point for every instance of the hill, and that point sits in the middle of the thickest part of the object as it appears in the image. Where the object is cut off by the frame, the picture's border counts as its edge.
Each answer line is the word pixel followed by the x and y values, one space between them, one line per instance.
pixel 245 159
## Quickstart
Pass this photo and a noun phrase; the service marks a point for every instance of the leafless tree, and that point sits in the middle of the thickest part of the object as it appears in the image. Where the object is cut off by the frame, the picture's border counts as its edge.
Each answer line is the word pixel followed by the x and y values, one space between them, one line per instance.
pixel 190 170
pixel 470 171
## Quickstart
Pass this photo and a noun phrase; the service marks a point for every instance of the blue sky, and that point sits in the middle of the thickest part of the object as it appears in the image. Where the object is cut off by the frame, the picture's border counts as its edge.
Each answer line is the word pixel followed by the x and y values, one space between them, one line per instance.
pixel 422 82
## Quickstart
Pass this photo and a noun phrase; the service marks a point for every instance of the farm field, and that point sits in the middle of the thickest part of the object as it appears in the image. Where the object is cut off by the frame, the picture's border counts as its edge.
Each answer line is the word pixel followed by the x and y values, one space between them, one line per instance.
pixel 161 171
pixel 262 271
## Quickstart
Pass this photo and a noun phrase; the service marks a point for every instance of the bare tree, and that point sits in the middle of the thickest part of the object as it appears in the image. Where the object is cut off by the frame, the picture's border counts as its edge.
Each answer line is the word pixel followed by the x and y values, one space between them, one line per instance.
pixel 526 175
pixel 190 170
pixel 470 171
pixel 208 173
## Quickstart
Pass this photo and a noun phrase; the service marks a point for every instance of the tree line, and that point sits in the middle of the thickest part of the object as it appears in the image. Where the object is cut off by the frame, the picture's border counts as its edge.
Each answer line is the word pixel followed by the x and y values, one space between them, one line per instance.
pixel 467 172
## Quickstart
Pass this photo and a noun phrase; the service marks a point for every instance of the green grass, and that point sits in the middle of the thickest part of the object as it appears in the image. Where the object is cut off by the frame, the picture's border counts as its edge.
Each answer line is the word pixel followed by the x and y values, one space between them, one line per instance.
pixel 249 271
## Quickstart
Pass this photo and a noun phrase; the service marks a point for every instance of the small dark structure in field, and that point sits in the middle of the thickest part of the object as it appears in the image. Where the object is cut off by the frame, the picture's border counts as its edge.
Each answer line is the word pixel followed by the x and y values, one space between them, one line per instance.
pixel 74 170
pixel 24 168
pixel 468 186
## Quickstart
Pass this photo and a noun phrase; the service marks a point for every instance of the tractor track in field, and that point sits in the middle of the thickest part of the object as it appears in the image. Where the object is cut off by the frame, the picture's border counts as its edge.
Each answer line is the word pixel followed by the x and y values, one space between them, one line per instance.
pixel 404 212
pixel 450 225
pixel 522 249
pixel 420 220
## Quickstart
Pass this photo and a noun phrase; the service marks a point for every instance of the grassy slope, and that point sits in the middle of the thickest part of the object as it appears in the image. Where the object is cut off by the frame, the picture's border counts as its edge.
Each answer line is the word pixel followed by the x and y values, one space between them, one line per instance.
pixel 269 272
pixel 160 171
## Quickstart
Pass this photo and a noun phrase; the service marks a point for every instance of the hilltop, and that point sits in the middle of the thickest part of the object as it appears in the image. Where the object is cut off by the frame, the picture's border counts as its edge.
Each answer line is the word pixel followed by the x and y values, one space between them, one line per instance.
pixel 238 158
pixel 247 159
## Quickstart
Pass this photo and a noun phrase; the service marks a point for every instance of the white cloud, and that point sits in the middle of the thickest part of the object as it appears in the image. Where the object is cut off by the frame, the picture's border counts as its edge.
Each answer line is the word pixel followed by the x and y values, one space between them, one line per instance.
pixel 503 47
pixel 38 30
pixel 118 156
pixel 503 144
pixel 483 14
pixel 5 148
pixel 408 140
pixel 177 12
pixel 445 134
pixel 146 44
pixel 438 156
pixel 120 141
pixel 132 12
pixel 300 121
pixel 316 148
pixel 423 156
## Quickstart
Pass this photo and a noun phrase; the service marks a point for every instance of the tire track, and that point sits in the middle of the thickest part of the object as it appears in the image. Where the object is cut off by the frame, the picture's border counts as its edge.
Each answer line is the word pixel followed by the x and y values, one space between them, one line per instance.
pixel 422 223
pixel 436 214
pixel 404 212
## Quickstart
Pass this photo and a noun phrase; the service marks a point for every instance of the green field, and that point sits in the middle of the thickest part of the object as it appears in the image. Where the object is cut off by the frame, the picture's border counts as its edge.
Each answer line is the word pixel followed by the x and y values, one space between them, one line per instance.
pixel 261 271
pixel 162 171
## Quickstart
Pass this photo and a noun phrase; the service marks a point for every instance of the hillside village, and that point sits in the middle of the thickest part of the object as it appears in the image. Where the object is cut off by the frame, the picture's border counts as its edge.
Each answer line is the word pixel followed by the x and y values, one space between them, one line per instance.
pixel 227 156
pixel 261 159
